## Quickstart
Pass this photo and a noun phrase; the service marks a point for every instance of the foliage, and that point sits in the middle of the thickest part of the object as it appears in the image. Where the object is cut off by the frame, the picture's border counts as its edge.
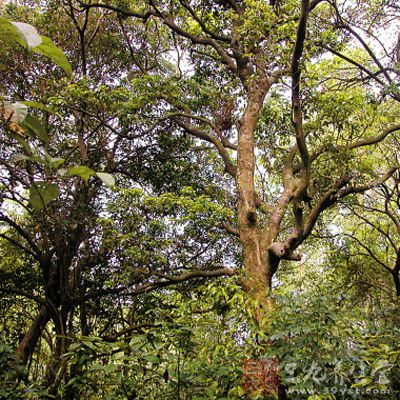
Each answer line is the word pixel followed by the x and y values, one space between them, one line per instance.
pixel 163 170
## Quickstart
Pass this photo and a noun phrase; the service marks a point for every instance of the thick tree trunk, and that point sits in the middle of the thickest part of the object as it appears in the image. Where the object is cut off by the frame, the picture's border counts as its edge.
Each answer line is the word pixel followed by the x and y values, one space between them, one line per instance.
pixel 30 339
pixel 396 280
pixel 256 263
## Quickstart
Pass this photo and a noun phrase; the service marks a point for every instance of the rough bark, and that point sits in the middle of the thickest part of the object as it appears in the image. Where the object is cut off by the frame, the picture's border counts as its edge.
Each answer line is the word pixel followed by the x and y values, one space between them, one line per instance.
pixel 258 278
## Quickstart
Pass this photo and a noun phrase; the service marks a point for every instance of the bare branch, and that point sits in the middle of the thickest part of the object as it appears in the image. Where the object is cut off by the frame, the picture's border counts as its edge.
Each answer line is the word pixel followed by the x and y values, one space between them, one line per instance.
pixel 230 229
pixel 351 146
pixel 202 25
pixel 372 140
pixel 29 296
pixel 19 245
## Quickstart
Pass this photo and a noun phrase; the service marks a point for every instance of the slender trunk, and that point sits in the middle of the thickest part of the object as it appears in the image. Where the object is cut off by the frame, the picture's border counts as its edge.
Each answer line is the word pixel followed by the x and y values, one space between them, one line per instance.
pixel 56 367
pixel 30 339
pixel 55 371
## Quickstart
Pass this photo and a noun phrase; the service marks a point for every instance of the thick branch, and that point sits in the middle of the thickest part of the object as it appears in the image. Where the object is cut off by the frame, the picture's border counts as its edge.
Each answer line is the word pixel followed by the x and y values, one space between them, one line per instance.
pixel 373 140
pixel 296 74
pixel 338 190
pixel 370 185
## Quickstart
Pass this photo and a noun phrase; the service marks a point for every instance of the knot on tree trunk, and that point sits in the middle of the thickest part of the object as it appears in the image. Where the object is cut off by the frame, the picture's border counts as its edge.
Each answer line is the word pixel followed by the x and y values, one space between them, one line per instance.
pixel 283 252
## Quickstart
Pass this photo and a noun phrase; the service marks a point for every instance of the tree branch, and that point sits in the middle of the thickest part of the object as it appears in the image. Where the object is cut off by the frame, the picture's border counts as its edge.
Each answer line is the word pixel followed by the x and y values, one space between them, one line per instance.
pixel 296 102
pixel 128 13
pixel 197 132
pixel 169 281
pixel 22 233
pixel 116 335
pixel 202 25
pixel 370 253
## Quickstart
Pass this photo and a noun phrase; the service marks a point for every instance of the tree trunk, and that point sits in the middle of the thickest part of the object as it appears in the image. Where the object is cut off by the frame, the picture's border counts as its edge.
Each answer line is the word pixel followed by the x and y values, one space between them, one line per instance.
pixel 396 280
pixel 396 274
pixel 30 339
pixel 55 371
pixel 256 263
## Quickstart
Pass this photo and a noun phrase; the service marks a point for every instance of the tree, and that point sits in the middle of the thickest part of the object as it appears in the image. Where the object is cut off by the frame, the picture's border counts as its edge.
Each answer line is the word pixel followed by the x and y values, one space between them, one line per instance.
pixel 250 47
pixel 230 127
pixel 376 238
pixel 52 199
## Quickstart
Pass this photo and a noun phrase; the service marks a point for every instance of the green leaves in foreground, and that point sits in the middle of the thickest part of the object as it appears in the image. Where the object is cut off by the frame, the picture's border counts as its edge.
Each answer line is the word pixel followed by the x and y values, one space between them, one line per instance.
pixel 16 111
pixel 50 50
pixel 82 171
pixel 28 37
pixel 35 127
pixel 107 179
pixel 42 193
pixel 85 173
pixel 24 34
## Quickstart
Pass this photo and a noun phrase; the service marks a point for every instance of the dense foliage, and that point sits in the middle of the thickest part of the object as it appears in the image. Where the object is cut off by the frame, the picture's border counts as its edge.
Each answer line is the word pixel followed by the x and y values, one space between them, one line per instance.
pixel 191 187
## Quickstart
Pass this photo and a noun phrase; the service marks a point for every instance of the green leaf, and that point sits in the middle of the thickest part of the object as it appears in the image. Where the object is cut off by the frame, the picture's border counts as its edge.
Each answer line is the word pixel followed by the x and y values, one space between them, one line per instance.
pixel 152 358
pixel 49 49
pixel 39 106
pixel 18 157
pixel 34 125
pixel 55 162
pixel 42 193
pixel 23 143
pixel 106 178
pixel 82 171
pixel 89 344
pixel 363 382
pixel 110 368
pixel 10 32
pixel 137 340
pixel 18 110
pixel 29 34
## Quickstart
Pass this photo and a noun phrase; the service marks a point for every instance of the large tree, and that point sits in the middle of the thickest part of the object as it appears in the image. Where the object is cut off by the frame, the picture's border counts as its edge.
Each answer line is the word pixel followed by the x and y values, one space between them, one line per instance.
pixel 268 110
pixel 56 164
pixel 233 60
